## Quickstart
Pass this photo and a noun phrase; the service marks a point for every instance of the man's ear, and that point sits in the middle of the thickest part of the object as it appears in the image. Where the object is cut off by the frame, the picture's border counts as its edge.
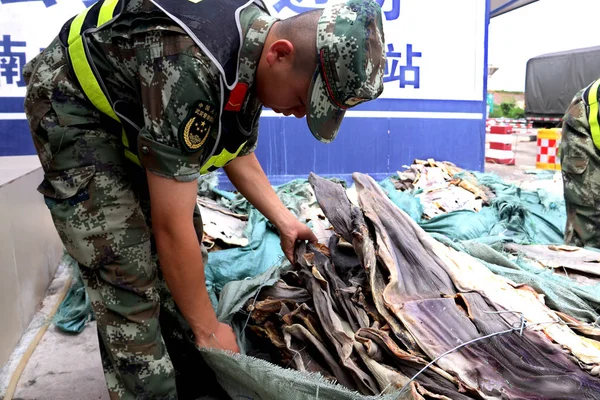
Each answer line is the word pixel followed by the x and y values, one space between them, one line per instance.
pixel 280 51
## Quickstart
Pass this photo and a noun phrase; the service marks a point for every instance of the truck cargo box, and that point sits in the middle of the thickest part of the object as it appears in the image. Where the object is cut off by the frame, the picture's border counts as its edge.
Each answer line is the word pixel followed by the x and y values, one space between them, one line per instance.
pixel 553 79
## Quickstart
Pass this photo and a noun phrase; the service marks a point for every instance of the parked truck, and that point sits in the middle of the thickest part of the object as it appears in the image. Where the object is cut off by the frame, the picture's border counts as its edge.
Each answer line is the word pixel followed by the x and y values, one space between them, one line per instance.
pixel 553 79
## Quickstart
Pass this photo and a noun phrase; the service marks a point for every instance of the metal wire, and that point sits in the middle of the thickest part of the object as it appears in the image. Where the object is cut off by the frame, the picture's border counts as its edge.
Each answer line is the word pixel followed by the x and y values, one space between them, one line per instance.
pixel 452 351
pixel 386 388
pixel 296 352
pixel 519 326
pixel 260 287
pixel 253 303
pixel 522 325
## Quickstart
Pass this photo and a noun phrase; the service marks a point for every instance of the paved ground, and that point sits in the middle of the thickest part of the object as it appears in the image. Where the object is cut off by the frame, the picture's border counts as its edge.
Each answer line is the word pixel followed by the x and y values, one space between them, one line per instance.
pixel 62 366
pixel 525 161
pixel 68 366
pixel 524 172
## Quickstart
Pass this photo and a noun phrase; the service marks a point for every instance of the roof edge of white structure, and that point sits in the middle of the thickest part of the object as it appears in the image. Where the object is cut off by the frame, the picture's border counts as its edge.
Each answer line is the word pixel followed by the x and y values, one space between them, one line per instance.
pixel 499 7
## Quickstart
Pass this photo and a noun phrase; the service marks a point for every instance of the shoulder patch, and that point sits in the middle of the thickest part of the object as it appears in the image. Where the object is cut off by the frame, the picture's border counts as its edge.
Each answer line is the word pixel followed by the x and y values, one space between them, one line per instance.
pixel 195 128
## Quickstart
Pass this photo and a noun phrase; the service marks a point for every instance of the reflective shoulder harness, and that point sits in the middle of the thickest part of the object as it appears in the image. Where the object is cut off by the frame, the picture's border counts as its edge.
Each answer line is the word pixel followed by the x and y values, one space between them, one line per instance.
pixel 105 11
pixel 93 17
pixel 592 100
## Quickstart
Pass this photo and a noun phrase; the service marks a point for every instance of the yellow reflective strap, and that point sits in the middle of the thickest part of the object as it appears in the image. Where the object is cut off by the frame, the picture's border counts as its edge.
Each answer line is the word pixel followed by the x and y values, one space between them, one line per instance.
pixel 80 63
pixel 593 119
pixel 83 69
pixel 128 153
pixel 132 157
pixel 106 11
pixel 75 29
pixel 220 160
pixel 124 138
pixel 87 80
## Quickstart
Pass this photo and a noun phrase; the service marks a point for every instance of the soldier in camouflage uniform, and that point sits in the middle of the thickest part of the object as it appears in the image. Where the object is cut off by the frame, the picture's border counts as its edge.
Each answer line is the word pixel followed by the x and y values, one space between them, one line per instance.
pixel 580 163
pixel 135 230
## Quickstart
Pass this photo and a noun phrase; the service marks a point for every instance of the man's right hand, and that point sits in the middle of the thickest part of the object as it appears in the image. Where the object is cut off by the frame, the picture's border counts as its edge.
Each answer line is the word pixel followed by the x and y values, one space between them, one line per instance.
pixel 222 338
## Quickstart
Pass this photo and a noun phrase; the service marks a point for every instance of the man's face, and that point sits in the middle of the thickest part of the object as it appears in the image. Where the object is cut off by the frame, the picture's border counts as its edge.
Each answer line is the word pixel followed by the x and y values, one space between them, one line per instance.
pixel 286 92
pixel 280 86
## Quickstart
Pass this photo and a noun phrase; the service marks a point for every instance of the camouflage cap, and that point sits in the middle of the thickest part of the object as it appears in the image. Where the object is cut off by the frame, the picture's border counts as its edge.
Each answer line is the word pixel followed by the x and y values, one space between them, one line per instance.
pixel 351 62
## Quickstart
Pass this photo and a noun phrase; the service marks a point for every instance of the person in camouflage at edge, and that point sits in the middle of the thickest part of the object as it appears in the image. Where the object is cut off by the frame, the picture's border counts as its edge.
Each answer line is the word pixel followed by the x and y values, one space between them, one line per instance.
pixel 135 230
pixel 580 164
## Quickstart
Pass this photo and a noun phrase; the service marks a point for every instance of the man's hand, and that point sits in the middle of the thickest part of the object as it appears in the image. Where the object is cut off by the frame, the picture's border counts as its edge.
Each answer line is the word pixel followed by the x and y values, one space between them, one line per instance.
pixel 249 178
pixel 292 231
pixel 222 338
pixel 181 259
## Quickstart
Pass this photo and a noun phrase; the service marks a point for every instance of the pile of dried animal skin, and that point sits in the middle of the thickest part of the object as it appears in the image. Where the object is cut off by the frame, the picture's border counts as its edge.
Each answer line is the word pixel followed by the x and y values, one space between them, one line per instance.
pixel 381 301
pixel 439 188
pixel 222 228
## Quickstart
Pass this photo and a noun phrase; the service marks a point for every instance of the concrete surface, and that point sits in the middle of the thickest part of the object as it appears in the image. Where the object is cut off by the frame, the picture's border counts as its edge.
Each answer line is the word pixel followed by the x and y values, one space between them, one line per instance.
pixel 74 373
pixel 30 248
pixel 63 366
pixel 69 367
pixel 524 172
pixel 12 167
pixel 525 160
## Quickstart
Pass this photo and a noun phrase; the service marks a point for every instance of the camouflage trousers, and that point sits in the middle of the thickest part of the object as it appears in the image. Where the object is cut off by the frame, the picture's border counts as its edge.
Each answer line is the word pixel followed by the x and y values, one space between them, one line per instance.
pixel 580 163
pixel 99 203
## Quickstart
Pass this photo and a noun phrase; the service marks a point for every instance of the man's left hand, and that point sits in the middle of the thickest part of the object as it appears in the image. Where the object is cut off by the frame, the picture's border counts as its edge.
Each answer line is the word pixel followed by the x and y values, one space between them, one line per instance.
pixel 291 231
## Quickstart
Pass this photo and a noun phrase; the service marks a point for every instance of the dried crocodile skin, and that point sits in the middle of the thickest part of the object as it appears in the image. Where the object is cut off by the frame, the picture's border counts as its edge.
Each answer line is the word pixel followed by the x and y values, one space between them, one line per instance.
pixel 283 291
pixel 346 263
pixel 372 342
pixel 341 294
pixel 434 379
pixel 468 274
pixel 333 325
pixel 506 366
pixel 414 273
pixel 264 309
pixel 308 318
pixel 348 221
pixel 302 334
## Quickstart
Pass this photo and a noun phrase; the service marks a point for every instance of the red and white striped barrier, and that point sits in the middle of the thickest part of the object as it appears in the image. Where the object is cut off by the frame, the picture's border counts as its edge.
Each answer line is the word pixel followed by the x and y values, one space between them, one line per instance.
pixel 515 123
pixel 520 127
pixel 545 119
pixel 501 144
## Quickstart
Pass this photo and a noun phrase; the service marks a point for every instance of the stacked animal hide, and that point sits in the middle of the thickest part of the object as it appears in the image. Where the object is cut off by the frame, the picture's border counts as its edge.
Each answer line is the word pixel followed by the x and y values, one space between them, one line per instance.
pixel 373 308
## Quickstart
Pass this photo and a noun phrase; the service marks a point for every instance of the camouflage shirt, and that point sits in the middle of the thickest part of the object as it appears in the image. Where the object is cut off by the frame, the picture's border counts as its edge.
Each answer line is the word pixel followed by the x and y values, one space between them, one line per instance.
pixel 151 65
pixel 580 164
